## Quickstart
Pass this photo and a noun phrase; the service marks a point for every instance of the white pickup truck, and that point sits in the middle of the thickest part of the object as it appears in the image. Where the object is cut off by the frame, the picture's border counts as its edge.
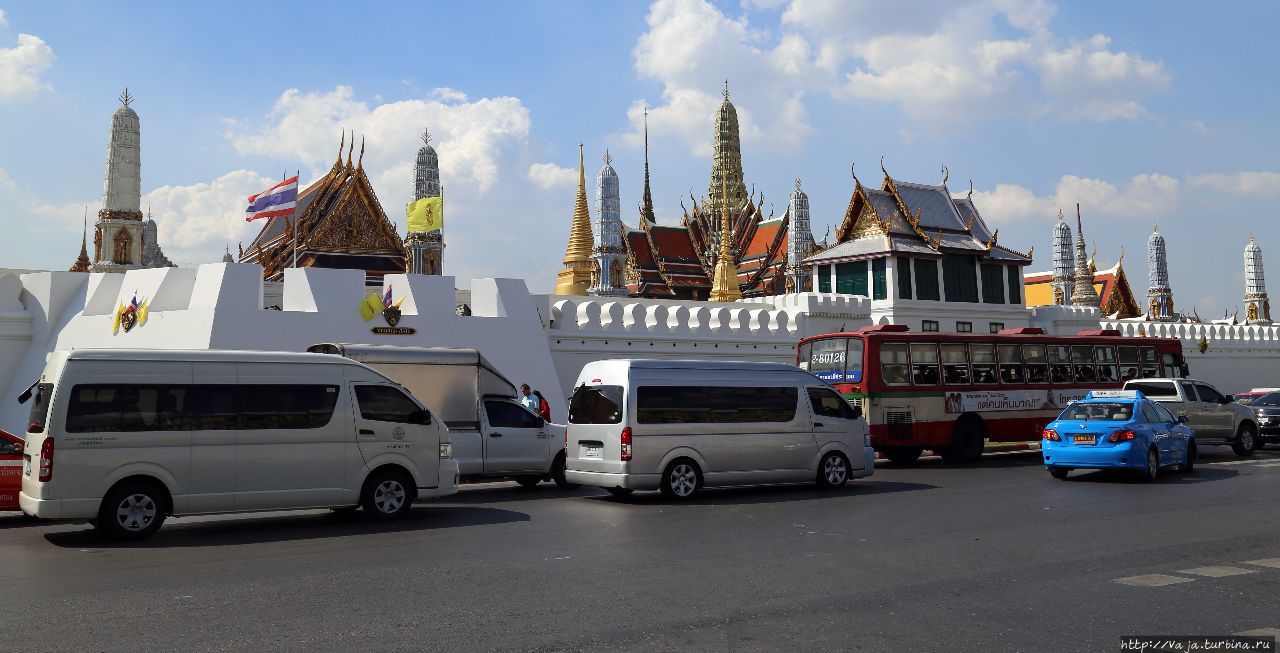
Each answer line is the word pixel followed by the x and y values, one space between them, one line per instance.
pixel 493 435
pixel 1214 417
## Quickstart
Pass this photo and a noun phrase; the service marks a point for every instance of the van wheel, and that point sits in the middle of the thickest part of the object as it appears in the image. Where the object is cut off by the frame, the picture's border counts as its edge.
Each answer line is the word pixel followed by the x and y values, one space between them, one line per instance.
pixel 681 479
pixel 528 481
pixel 1245 441
pixel 833 471
pixel 1153 466
pixel 557 474
pixel 903 455
pixel 619 491
pixel 388 494
pixel 133 510
pixel 967 442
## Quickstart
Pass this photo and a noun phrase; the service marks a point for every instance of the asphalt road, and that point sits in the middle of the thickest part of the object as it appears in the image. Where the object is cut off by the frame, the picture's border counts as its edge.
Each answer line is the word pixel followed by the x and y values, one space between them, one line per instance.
pixel 993 557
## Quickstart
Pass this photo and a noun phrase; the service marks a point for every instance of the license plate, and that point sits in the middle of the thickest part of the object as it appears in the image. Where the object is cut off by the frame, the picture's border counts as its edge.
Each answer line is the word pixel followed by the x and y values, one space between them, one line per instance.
pixel 1084 439
pixel 593 452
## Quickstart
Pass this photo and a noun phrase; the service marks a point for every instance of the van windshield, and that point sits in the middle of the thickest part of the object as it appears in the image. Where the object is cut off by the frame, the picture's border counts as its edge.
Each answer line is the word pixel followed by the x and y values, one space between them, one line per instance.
pixel 597 404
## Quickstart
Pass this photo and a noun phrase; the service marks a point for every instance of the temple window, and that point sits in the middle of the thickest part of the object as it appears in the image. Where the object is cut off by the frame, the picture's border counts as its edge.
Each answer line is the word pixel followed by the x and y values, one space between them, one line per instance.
pixel 959 278
pixel 851 278
pixel 903 272
pixel 927 279
pixel 992 283
pixel 824 277
pixel 879 279
pixel 1015 284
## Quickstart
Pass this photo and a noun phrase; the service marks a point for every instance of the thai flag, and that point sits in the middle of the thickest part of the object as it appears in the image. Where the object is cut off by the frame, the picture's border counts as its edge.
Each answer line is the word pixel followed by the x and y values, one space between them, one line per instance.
pixel 386 297
pixel 281 199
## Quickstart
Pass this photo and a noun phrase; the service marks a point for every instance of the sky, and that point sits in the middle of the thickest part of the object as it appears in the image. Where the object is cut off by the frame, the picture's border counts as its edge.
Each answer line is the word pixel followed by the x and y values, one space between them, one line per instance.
pixel 1142 112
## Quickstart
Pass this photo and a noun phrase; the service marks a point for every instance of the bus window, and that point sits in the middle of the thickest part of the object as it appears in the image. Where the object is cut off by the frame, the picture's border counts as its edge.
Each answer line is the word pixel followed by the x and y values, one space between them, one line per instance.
pixel 955 364
pixel 802 356
pixel 1010 364
pixel 1060 364
pixel 1105 357
pixel 853 362
pixel 1172 366
pixel 893 363
pixel 1150 363
pixel 1128 363
pixel 1082 357
pixel 984 363
pixel 826 359
pixel 924 364
pixel 1037 363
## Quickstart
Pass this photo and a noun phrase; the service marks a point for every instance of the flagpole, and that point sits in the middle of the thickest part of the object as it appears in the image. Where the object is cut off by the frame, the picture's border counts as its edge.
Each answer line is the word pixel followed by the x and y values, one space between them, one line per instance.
pixel 295 227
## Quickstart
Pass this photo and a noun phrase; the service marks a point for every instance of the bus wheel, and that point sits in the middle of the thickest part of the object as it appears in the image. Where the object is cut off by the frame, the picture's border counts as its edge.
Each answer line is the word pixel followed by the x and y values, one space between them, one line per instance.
pixel 966 442
pixel 903 455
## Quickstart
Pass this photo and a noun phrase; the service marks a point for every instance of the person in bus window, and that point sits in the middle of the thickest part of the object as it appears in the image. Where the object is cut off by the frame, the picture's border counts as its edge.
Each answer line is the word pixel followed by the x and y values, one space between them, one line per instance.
pixel 1085 374
pixel 1130 373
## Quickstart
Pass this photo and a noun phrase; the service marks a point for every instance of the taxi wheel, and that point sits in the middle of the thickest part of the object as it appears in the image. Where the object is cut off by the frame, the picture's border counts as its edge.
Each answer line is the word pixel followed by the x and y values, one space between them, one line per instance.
pixel 1190 464
pixel 1059 473
pixel 528 481
pixel 1245 442
pixel 1153 466
pixel 903 455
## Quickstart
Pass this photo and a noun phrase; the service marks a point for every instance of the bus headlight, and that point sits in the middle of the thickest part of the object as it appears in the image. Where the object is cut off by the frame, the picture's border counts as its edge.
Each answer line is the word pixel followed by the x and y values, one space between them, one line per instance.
pixel 446 450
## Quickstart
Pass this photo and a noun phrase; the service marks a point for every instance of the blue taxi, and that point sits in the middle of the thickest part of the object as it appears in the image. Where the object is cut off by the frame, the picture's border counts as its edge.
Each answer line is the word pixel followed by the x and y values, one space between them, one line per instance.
pixel 1117 429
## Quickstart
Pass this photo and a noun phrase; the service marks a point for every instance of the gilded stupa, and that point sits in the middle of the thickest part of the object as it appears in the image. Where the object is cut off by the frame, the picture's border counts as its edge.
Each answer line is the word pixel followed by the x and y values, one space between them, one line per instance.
pixel 724 284
pixel 575 277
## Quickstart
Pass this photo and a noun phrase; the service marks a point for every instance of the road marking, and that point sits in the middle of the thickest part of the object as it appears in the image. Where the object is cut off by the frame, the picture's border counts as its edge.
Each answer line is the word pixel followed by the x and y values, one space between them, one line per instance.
pixel 1217 571
pixel 1270 465
pixel 1265 562
pixel 1152 580
pixel 1261 632
pixel 1240 462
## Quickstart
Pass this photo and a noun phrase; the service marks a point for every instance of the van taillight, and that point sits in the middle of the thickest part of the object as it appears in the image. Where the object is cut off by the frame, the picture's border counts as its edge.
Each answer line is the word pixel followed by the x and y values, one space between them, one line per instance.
pixel 626 443
pixel 46 460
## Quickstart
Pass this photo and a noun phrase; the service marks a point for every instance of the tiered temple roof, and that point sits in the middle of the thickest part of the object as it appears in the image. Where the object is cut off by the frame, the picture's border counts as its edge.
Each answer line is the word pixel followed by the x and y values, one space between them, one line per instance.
pixel 340 225
pixel 914 220
pixel 1112 286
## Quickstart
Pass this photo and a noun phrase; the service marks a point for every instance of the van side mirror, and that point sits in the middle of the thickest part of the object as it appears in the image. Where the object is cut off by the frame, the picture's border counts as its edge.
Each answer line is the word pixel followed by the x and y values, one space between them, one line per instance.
pixel 857 412
pixel 1183 419
pixel 1226 400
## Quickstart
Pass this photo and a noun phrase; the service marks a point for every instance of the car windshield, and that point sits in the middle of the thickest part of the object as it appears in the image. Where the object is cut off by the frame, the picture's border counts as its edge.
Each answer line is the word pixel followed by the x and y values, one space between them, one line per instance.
pixel 1271 399
pixel 1098 411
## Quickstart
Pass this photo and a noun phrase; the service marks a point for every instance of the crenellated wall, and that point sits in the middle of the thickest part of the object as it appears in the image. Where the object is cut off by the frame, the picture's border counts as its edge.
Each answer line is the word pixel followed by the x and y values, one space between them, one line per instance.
pixel 1064 320
pixel 1236 357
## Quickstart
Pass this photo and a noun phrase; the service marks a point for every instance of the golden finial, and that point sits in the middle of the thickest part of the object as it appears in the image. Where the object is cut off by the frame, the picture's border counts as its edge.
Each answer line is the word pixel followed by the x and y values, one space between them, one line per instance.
pixel 946 174
pixel 351 147
pixel 125 97
pixel 970 195
pixel 575 277
pixel 360 163
pixel 724 286
pixel 726 89
pixel 886 172
pixel 426 136
pixel 342 144
pixel 853 170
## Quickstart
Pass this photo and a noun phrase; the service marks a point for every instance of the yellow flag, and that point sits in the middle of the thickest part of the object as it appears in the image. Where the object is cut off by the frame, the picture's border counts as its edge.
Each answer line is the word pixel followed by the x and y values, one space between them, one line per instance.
pixel 143 309
pixel 371 306
pixel 115 321
pixel 425 215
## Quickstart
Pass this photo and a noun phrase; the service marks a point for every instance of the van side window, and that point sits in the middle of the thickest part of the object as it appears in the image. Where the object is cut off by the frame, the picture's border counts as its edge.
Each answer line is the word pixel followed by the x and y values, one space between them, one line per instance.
pixel 714 405
pixel 124 408
pixel 504 414
pixel 827 403
pixel 287 406
pixel 383 403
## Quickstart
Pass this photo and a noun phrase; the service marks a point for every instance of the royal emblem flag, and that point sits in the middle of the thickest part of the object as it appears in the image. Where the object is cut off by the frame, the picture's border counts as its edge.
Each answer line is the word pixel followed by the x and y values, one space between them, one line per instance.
pixel 371 306
pixel 281 199
pixel 425 215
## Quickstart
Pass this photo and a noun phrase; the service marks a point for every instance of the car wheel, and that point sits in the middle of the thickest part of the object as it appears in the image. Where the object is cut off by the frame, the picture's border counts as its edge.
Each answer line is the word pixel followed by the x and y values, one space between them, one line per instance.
pixel 967 442
pixel 1246 440
pixel 133 511
pixel 833 470
pixel 1153 466
pixel 1189 463
pixel 388 495
pixel 528 481
pixel 1059 473
pixel 903 455
pixel 557 474
pixel 681 479
pixel 619 491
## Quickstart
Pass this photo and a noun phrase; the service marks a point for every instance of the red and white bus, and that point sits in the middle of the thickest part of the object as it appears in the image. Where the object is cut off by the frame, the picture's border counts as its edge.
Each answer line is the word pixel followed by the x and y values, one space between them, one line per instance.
pixel 952 392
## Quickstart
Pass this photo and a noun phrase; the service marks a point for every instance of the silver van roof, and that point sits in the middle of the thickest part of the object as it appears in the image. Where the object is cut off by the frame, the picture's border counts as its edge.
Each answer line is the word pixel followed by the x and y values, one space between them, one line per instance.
pixel 241 356
pixel 401 354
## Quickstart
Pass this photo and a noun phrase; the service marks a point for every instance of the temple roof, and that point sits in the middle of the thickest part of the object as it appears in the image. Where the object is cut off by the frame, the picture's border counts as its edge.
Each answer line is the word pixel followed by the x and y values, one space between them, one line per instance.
pixel 1112 286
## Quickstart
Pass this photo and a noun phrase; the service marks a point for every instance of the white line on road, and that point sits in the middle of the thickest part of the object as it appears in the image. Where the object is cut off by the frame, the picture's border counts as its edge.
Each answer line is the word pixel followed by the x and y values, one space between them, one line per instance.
pixel 1265 562
pixel 1217 571
pixel 1269 465
pixel 1152 580
pixel 1261 632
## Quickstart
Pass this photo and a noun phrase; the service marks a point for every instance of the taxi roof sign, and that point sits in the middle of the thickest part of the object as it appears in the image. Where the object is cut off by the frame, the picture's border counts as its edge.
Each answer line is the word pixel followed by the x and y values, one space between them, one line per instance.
pixel 1114 394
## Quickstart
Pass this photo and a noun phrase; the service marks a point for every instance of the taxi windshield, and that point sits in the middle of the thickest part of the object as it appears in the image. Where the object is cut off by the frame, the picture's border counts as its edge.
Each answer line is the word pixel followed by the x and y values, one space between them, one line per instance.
pixel 1098 411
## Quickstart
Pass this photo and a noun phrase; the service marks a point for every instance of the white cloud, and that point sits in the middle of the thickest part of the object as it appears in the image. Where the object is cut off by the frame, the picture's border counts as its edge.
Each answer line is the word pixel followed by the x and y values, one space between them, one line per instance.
pixel 21 67
pixel 1143 195
pixel 196 221
pixel 4 22
pixel 1247 183
pixel 305 127
pixel 549 175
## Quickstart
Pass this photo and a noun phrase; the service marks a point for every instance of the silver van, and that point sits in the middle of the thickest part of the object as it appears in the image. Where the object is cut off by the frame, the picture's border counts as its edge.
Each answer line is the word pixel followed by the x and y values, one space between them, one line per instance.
pixel 677 426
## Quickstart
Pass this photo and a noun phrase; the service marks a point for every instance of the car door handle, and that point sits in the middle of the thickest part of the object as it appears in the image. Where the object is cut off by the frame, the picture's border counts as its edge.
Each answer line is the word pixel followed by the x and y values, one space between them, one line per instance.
pixel 495 435
pixel 367 432
pixel 817 424
pixel 543 436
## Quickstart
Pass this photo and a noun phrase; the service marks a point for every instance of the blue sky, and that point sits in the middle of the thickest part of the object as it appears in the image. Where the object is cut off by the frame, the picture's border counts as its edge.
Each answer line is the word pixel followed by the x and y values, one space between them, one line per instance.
pixel 1141 111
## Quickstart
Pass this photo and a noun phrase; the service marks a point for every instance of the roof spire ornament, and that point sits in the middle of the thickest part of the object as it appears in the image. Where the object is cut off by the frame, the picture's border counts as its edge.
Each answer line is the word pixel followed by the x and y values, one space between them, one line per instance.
pixel 607 159
pixel 724 287
pixel 575 277
pixel 360 163
pixel 426 136
pixel 726 89
pixel 126 98
pixel 970 195
pixel 853 170
pixel 946 174
pixel 351 147
pixel 646 203
pixel 342 145
pixel 82 261
pixel 1083 293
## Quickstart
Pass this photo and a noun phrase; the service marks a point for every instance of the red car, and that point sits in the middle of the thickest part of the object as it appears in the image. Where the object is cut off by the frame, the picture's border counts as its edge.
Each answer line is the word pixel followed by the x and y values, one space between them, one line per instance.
pixel 10 470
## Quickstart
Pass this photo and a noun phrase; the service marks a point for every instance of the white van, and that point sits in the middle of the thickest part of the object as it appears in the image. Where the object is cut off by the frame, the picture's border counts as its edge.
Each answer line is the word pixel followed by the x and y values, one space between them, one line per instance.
pixel 676 426
pixel 123 438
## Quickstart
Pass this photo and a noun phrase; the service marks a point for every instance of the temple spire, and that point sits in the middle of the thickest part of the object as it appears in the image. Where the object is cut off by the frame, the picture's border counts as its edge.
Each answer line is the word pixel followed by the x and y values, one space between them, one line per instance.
pixel 726 162
pixel 82 261
pixel 724 285
pixel 1159 294
pixel 607 254
pixel 646 206
pixel 1084 293
pixel 1257 308
pixel 575 277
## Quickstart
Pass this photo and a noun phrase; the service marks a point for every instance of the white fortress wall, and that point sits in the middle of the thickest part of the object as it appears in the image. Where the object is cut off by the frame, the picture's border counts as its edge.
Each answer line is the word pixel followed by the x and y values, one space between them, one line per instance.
pixel 1064 320
pixel 583 329
pixel 219 306
pixel 1239 357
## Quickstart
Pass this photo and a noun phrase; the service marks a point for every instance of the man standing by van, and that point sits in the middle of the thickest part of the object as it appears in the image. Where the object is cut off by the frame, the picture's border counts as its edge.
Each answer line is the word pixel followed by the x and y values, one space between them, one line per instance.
pixel 527 400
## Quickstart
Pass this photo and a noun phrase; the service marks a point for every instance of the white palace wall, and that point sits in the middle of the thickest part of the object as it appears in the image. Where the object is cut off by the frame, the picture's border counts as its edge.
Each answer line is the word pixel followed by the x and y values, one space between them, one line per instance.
pixel 1239 357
